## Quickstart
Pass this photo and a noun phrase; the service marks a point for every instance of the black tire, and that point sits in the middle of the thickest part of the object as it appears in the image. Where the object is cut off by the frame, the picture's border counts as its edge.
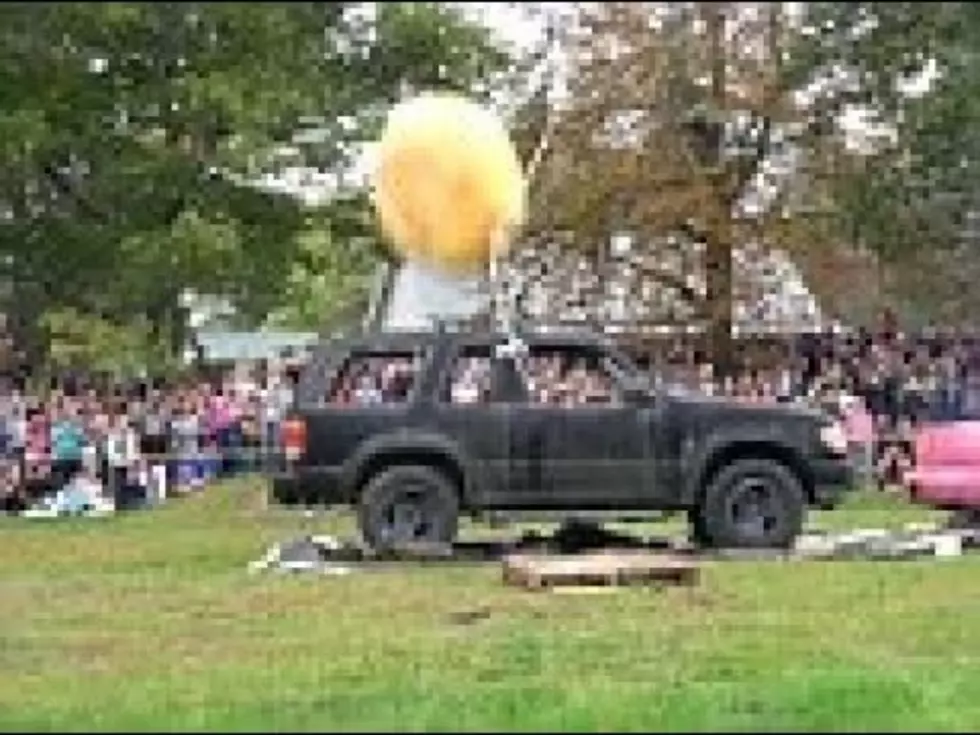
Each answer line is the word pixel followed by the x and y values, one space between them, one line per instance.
pixel 751 504
pixel 698 536
pixel 408 506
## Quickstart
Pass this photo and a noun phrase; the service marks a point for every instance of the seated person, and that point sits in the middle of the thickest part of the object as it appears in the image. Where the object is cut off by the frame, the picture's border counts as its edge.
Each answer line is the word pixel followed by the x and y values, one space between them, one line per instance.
pixel 12 497
pixel 83 493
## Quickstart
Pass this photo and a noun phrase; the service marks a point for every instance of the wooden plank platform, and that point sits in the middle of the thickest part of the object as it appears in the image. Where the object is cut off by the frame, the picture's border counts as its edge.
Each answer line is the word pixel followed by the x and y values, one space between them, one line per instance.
pixel 606 568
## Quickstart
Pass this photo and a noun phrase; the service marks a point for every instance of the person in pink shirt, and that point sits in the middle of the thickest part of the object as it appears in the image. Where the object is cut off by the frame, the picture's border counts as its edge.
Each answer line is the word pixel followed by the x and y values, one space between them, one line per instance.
pixel 859 427
pixel 222 422
pixel 218 414
pixel 37 455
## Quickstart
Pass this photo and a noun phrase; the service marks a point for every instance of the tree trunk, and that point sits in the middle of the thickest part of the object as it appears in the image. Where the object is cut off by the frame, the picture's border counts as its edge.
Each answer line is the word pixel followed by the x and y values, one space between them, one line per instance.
pixel 718 246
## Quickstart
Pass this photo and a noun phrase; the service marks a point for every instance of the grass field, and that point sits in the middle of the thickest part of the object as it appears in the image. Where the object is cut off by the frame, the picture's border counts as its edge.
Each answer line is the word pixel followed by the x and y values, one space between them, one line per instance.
pixel 151 622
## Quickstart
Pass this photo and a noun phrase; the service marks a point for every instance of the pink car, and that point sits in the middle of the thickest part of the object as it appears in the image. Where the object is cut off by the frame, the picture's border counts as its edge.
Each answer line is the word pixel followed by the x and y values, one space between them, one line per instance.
pixel 947 465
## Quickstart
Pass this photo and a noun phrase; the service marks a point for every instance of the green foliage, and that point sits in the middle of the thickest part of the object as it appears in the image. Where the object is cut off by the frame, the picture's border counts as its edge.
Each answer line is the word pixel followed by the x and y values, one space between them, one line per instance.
pixel 83 341
pixel 128 132
pixel 916 191
pixel 329 280
pixel 906 198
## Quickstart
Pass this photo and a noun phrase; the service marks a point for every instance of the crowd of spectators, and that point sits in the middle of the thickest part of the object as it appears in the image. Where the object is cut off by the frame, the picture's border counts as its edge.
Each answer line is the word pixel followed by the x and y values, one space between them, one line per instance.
pixel 79 445
pixel 127 446
pixel 882 384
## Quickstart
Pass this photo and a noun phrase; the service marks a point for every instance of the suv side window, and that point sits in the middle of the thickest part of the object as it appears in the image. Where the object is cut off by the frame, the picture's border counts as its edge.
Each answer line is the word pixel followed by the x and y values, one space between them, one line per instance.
pixel 374 379
pixel 568 378
pixel 468 379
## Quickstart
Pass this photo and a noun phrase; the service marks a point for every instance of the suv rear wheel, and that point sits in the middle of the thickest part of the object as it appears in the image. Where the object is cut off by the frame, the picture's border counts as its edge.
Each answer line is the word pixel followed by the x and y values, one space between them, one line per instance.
pixel 751 503
pixel 408 505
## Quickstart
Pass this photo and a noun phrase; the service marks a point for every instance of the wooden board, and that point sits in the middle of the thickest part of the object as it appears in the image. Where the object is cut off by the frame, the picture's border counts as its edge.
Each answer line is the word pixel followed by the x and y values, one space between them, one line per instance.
pixel 607 568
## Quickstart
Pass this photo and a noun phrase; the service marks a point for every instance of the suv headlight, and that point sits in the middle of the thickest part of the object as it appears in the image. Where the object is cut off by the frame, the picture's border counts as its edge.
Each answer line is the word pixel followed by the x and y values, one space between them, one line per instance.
pixel 834 438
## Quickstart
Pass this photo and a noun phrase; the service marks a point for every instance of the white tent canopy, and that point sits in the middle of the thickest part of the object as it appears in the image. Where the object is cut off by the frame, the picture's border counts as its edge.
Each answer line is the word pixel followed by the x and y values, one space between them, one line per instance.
pixel 560 286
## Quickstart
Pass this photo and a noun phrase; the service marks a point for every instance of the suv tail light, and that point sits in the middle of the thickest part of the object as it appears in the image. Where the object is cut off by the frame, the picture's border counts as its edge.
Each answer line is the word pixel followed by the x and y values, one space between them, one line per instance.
pixel 294 439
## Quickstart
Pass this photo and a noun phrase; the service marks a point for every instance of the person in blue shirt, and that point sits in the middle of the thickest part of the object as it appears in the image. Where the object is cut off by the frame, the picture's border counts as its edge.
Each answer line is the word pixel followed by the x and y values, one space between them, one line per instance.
pixel 68 443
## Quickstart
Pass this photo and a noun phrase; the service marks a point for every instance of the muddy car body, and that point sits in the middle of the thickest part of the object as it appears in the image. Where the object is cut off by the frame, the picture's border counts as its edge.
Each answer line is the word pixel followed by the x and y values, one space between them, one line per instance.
pixel 744 474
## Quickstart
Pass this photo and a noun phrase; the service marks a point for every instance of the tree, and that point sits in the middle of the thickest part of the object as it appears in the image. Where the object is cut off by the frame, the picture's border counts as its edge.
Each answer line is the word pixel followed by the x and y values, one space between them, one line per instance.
pixel 131 136
pixel 673 115
pixel 678 117
pixel 330 280
pixel 910 201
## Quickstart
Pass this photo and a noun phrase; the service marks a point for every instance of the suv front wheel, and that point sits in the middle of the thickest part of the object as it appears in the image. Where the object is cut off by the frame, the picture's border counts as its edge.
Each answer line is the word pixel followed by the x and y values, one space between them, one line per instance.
pixel 408 505
pixel 751 503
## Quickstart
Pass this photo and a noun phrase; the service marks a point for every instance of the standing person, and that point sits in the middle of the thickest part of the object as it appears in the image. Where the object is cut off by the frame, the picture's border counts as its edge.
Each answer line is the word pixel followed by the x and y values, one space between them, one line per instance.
pixel 277 398
pixel 68 444
pixel 97 422
pixel 17 426
pixel 154 469
pixel 154 428
pixel 122 453
pixel 950 388
pixel 241 457
pixel 219 418
pixel 36 470
pixel 185 440
pixel 860 430
pixel 13 427
pixel 6 436
pixel 154 431
pixel 249 417
pixel 893 394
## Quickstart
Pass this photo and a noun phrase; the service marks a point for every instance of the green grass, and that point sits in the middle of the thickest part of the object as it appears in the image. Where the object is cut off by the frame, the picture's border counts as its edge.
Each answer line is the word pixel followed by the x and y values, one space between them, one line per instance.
pixel 151 622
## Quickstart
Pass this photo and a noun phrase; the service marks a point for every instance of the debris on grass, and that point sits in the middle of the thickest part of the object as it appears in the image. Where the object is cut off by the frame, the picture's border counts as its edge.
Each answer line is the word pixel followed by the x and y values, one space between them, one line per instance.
pixel 57 507
pixel 912 541
pixel 307 554
pixel 331 556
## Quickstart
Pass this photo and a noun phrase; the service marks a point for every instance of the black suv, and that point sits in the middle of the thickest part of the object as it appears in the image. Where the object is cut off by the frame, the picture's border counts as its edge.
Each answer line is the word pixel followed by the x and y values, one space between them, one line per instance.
pixel 416 429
